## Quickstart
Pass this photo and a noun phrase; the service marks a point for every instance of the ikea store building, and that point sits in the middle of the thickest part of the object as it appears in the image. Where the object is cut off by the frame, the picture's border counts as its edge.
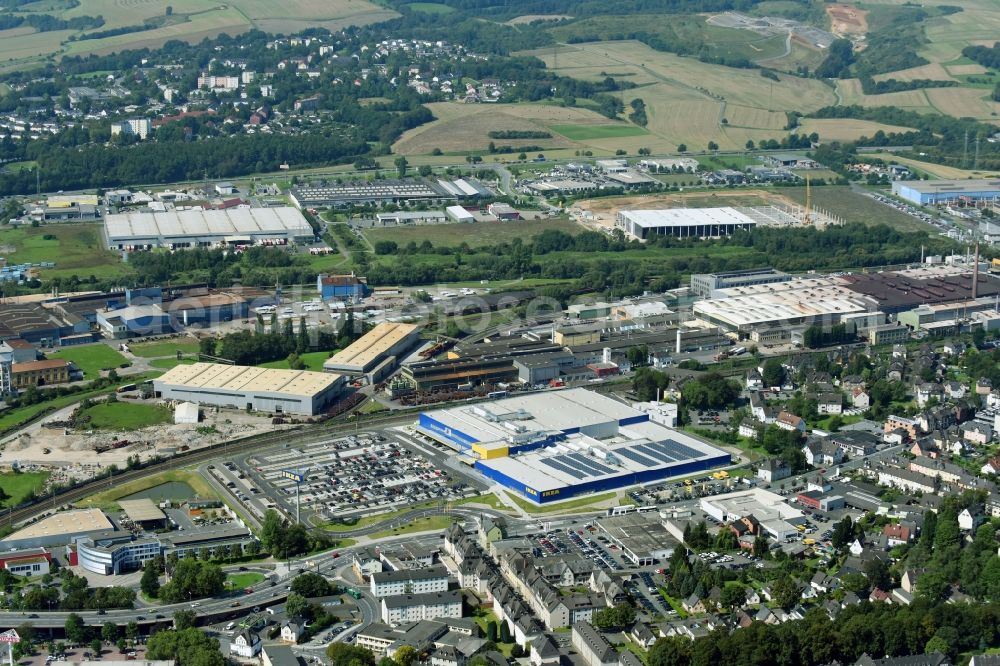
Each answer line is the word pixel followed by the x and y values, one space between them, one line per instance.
pixel 555 445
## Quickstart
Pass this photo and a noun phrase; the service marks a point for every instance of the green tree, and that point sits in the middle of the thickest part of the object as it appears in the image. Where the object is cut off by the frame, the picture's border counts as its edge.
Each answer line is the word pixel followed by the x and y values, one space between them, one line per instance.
pixel 491 631
pixel 406 655
pixel 76 631
pixel 185 619
pixel 95 647
pixel 296 605
pixel 188 646
pixel 505 632
pixel 733 596
pixel 773 373
pixel 682 148
pixel 785 592
pixel 345 654
pixel 109 632
pixel 311 584
pixel 150 581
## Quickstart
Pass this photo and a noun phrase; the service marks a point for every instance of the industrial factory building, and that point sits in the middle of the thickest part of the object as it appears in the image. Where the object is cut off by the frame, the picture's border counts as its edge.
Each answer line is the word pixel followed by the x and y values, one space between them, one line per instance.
pixel 180 229
pixel 552 446
pixel 383 192
pixel 244 387
pixel 683 222
pixel 375 353
pixel 937 192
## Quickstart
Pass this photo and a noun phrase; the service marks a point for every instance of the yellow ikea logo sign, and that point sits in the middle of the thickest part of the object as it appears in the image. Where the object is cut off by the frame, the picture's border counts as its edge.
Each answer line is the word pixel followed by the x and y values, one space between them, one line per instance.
pixel 530 491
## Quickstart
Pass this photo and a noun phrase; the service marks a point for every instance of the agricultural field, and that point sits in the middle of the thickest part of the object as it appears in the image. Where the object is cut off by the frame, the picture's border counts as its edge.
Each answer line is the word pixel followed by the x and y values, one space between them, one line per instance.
pixel 687 100
pixel 430 8
pixel 850 92
pixel 76 249
pixel 91 359
pixel 125 416
pixel 460 128
pixel 933 71
pixel 190 20
pixel 591 132
pixel 960 102
pixel 692 30
pixel 476 234
pixel 845 129
pixel 936 170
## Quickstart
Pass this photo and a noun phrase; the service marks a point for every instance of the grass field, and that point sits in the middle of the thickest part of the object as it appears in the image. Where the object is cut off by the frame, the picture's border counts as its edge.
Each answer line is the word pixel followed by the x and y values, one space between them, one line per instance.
pixel 476 234
pixel 313 361
pixel 166 348
pixel 91 359
pixel 419 525
pixel 589 132
pixel 76 249
pixel 241 581
pixel 168 363
pixel 125 416
pixel 18 485
pixel 106 499
pixel 430 8
pixel 855 207
pixel 191 20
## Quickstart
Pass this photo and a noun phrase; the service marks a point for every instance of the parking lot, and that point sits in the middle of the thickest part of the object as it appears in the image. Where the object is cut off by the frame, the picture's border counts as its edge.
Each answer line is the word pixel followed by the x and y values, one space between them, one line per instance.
pixel 348 477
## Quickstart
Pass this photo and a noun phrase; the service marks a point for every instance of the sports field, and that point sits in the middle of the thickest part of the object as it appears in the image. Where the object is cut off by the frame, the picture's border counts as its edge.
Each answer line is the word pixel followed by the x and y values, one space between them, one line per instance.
pixel 76 249
pixel 190 20
pixel 91 359
pixel 476 234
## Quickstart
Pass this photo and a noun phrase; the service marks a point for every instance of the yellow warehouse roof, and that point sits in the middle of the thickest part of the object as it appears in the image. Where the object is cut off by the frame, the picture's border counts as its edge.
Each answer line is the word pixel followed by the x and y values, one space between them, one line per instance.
pixel 371 345
pixel 65 522
pixel 248 378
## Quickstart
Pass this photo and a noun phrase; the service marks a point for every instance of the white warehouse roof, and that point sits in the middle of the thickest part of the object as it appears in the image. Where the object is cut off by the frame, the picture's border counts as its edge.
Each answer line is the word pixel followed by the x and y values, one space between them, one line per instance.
pixel 197 222
pixel 685 217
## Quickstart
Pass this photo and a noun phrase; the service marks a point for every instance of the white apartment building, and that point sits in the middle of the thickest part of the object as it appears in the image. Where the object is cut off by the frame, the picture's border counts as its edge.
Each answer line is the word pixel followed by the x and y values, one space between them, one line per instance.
pixel 409 581
pixel 415 607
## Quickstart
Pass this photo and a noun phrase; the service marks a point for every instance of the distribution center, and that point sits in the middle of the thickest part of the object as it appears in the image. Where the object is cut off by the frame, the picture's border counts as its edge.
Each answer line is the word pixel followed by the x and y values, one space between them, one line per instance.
pixel 260 389
pixel 553 445
pixel 178 229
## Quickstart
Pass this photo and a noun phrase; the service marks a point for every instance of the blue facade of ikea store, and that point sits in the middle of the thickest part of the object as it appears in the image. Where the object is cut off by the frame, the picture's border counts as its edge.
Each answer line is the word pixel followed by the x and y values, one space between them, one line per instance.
pixel 599 485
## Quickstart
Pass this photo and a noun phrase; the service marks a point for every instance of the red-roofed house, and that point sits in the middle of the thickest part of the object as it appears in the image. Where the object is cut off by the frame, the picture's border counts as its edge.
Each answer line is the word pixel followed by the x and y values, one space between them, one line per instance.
pixel 897 535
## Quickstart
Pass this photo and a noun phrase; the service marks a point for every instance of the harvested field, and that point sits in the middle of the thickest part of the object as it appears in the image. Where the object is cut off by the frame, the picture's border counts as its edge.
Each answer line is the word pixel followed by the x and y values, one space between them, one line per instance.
pixel 948 35
pixel 845 129
pixel 736 86
pixel 914 100
pixel 754 118
pixel 531 18
pixel 847 19
pixel 464 127
pixel 966 70
pixel 958 102
pixel 933 71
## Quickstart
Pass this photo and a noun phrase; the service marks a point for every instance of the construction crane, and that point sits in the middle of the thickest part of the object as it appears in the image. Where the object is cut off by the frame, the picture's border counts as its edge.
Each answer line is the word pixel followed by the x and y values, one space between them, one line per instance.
pixel 807 218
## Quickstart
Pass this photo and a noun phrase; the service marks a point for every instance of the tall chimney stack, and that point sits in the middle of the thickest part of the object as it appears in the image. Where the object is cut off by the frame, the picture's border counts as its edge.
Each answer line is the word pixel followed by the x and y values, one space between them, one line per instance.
pixel 975 274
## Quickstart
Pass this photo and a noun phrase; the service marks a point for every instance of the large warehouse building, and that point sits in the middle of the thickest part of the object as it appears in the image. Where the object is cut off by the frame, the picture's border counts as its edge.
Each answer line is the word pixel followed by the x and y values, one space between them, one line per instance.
pixel 935 192
pixel 206 228
pixel 551 446
pixel 375 353
pixel 683 222
pixel 381 192
pixel 244 387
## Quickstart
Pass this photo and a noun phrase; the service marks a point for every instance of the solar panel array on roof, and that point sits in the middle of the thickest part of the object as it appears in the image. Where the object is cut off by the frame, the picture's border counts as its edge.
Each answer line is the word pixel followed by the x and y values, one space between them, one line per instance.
pixel 668 451
pixel 634 456
pixel 565 469
pixel 589 464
